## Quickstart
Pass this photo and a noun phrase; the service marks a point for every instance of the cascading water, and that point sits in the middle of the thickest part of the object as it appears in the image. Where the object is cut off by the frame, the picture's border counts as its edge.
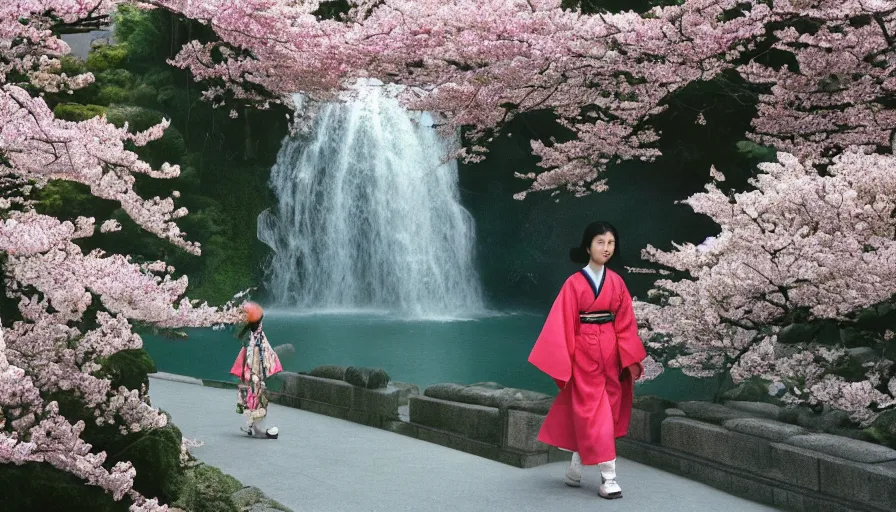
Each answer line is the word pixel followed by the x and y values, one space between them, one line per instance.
pixel 369 216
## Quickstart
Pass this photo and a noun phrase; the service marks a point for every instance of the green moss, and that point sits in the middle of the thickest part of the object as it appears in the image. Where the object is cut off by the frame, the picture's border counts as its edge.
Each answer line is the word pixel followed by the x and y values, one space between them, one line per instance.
pixel 207 489
pixel 78 112
pixel 106 57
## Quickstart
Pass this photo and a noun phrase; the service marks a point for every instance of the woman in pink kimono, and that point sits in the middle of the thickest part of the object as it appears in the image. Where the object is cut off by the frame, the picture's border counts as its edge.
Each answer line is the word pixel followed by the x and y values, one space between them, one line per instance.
pixel 256 362
pixel 590 346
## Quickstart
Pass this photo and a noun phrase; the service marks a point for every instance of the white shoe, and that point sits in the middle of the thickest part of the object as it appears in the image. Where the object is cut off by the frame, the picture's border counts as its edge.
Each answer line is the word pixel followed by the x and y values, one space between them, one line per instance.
pixel 573 476
pixel 609 489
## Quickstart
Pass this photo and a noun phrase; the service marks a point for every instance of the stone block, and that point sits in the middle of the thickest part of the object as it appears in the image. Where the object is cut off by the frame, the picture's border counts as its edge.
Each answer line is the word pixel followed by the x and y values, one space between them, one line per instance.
pixel 475 422
pixel 381 402
pixel 785 499
pixel 695 437
pixel 289 383
pixel 674 411
pixel 706 474
pixel 522 460
pixel 871 484
pixel 458 442
pixel 522 431
pixel 286 400
pixel 557 455
pixel 764 428
pixel 750 453
pixel 400 427
pixel 844 448
pixel 713 413
pixel 645 426
pixel 751 489
pixel 322 390
pixel 364 418
pixel 796 466
pixel 406 390
pixel 325 409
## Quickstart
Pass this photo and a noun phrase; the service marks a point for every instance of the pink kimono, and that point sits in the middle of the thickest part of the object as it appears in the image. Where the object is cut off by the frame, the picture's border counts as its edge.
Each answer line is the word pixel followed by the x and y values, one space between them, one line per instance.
pixel 256 362
pixel 586 360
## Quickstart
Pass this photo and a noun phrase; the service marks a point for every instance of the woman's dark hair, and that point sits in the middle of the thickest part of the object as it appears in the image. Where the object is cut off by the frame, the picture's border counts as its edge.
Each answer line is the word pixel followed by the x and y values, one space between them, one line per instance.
pixel 250 326
pixel 580 254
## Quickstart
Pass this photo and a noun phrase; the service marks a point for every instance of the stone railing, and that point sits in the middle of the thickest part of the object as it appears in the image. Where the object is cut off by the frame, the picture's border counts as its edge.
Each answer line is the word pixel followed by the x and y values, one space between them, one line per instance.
pixel 750 454
pixel 741 448
pixel 504 430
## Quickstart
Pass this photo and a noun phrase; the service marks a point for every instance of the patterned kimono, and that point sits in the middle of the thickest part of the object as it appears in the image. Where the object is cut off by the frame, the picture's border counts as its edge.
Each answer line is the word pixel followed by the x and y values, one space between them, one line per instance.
pixel 256 362
pixel 589 337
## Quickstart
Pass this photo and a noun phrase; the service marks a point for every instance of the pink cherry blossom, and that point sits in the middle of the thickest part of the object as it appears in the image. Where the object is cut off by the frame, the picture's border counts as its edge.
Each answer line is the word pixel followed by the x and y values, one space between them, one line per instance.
pixel 823 245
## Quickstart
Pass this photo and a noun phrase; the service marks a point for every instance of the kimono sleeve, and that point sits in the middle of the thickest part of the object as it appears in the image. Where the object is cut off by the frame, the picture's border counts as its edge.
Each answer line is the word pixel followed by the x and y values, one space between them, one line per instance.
pixel 631 348
pixel 556 343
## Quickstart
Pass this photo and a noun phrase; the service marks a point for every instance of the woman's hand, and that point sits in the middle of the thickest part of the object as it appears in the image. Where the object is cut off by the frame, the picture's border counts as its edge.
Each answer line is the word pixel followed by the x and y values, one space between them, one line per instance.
pixel 635 371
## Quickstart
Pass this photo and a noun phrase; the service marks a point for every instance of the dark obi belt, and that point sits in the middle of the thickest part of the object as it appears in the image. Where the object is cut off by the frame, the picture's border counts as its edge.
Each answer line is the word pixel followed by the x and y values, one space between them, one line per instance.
pixel 596 317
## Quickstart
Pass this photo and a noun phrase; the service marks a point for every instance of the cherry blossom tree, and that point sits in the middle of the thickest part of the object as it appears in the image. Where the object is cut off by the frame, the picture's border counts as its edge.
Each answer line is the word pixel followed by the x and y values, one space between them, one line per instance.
pixel 52 346
pixel 800 247
pixel 823 70
pixel 479 64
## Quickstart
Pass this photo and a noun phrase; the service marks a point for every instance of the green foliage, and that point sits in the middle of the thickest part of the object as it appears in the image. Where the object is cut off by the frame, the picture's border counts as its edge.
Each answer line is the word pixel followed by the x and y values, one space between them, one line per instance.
pixel 78 112
pixel 156 457
pixel 105 57
pixel 207 489
pixel 128 368
pixel 37 487
pixel 111 94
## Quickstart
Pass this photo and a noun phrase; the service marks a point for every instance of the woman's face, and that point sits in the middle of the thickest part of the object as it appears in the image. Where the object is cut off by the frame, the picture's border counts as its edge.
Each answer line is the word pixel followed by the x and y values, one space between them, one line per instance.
pixel 602 248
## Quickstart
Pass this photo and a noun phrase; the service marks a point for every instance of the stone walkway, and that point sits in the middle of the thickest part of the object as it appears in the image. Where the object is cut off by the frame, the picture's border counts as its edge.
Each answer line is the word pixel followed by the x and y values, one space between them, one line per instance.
pixel 323 464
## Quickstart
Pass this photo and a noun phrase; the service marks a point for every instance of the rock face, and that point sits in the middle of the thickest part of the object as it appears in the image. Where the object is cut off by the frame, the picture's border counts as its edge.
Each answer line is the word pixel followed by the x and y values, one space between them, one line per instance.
pixel 491 394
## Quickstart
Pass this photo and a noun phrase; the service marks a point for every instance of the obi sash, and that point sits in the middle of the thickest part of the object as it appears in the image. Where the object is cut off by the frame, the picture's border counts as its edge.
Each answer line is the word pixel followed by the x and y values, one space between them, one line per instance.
pixel 596 317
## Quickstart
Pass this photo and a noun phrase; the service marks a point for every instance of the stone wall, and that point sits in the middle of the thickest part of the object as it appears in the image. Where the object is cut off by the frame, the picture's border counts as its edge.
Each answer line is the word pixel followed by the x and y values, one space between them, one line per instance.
pixel 499 433
pixel 742 449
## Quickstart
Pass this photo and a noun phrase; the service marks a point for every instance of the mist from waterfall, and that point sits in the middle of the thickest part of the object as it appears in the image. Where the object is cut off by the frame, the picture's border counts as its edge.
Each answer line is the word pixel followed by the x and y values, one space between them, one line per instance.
pixel 368 216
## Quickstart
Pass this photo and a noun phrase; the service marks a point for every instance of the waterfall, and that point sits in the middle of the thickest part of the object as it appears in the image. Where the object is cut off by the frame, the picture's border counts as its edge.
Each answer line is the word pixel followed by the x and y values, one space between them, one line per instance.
pixel 368 216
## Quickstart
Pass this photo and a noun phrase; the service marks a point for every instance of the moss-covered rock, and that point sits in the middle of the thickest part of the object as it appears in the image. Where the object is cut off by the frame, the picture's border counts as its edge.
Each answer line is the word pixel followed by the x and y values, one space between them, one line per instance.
pixel 329 372
pixel 369 378
pixel 207 489
pixel 491 394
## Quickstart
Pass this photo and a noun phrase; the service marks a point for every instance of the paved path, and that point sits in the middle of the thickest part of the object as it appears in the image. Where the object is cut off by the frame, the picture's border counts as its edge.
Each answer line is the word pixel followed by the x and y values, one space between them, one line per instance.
pixel 323 464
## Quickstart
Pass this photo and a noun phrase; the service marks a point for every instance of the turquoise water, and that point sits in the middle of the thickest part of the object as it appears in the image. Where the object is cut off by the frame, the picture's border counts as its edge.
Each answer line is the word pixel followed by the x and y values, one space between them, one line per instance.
pixel 425 352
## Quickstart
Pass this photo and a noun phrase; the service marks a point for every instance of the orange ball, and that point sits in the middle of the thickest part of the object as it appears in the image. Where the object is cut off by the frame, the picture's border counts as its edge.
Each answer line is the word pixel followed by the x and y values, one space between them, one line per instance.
pixel 253 311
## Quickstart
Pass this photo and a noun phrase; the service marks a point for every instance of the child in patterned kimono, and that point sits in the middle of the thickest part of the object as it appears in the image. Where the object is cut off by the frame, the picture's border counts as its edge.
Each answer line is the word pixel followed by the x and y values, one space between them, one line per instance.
pixel 256 362
pixel 590 346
